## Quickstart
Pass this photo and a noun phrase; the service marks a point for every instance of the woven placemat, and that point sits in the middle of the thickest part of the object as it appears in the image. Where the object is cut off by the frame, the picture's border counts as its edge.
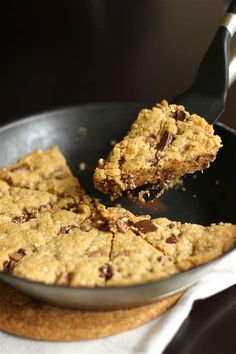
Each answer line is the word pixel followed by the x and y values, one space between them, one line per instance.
pixel 26 317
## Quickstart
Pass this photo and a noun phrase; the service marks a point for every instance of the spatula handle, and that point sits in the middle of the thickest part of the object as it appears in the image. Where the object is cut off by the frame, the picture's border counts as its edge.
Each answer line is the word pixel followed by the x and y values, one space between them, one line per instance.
pixel 232 65
pixel 229 21
pixel 207 94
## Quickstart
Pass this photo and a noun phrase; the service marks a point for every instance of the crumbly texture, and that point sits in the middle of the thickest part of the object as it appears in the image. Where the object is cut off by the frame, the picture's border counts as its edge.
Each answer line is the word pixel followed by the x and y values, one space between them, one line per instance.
pixel 61 236
pixel 145 249
pixel 46 171
pixel 164 143
pixel 38 182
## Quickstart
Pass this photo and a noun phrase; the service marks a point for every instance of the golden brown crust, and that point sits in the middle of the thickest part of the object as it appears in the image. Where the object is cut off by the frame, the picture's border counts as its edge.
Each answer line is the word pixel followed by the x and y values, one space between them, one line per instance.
pixel 43 170
pixel 70 240
pixel 147 249
pixel 164 143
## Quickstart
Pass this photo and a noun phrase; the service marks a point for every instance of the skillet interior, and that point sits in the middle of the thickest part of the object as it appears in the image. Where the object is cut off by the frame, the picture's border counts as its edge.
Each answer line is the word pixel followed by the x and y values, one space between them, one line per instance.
pixel 208 198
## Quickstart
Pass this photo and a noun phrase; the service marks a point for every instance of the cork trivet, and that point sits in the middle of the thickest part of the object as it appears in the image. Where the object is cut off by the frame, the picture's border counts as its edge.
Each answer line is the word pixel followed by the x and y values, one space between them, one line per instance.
pixel 23 316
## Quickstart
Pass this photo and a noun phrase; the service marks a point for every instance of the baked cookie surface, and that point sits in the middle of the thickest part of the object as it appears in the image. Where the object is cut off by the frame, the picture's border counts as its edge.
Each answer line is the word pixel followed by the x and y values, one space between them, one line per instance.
pixel 52 232
pixel 163 144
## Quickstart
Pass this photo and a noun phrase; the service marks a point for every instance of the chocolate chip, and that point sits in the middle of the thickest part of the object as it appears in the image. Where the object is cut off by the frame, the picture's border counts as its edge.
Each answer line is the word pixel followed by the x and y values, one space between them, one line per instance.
pixel 121 160
pixel 19 219
pixel 152 136
pixel 146 192
pixel 130 223
pixel 159 258
pixel 171 239
pixel 106 272
pixel 67 229
pixel 71 207
pixel 70 277
pixel 171 226
pixel 165 141
pixel 145 226
pixel 180 115
pixel 23 218
pixel 29 213
pixel 8 180
pixel 16 256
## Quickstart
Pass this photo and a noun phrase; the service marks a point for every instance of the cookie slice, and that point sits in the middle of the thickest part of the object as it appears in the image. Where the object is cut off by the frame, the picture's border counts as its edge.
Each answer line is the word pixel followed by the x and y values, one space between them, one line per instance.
pixel 189 245
pixel 133 261
pixel 16 241
pixel 40 181
pixel 164 143
pixel 75 258
pixel 146 249
pixel 21 204
pixel 43 170
pixel 66 239
pixel 93 268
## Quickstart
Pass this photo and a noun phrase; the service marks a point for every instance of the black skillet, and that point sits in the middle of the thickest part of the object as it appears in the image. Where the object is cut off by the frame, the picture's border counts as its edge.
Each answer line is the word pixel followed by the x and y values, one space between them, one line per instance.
pixel 206 198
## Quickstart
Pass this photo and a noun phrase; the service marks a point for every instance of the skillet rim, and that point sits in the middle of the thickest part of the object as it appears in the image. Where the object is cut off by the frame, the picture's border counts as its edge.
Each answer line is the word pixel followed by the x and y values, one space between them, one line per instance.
pixel 70 108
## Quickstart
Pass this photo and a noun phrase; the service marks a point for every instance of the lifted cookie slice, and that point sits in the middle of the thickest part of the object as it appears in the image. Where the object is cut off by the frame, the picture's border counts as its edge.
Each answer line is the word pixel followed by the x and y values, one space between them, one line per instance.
pixel 164 143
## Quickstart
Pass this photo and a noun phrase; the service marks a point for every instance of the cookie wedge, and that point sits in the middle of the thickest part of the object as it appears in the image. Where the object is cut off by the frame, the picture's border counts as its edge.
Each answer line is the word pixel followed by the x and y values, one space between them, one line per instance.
pixel 163 144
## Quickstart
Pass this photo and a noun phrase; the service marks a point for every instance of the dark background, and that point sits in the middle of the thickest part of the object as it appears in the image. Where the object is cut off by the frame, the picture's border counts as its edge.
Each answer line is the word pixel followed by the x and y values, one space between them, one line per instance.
pixel 58 53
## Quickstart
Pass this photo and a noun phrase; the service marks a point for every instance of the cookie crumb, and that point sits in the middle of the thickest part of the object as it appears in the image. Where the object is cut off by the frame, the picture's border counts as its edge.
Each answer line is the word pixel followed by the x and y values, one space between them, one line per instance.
pixel 113 142
pixel 82 166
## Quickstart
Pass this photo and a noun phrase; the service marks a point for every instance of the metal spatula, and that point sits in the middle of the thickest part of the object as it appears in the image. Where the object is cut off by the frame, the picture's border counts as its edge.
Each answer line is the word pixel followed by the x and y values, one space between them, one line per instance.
pixel 207 94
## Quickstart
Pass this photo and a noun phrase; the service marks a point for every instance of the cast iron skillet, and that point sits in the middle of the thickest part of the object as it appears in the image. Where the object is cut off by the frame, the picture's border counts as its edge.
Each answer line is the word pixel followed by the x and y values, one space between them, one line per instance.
pixel 209 197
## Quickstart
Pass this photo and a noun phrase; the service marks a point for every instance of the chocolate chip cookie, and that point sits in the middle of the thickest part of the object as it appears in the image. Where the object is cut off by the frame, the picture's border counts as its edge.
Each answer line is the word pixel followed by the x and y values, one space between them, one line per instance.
pixel 52 232
pixel 163 144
